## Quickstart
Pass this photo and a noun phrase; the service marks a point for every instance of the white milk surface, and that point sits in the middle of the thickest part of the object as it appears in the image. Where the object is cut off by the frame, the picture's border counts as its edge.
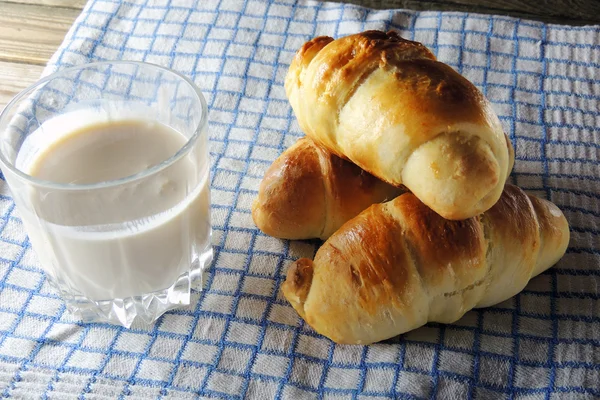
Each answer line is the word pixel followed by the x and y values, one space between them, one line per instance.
pixel 120 240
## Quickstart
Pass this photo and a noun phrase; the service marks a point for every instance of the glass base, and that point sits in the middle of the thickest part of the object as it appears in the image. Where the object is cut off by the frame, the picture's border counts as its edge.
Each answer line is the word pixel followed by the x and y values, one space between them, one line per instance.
pixel 147 308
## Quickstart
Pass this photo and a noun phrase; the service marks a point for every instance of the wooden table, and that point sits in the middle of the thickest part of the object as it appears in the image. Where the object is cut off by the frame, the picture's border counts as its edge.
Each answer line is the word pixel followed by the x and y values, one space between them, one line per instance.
pixel 32 30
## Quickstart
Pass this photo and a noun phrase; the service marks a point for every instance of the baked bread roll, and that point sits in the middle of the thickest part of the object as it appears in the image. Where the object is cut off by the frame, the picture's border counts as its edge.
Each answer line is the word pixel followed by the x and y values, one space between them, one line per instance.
pixel 309 193
pixel 398 265
pixel 388 106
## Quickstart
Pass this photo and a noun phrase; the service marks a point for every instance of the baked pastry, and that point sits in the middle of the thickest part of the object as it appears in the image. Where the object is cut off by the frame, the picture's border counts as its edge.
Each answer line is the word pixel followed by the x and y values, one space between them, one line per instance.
pixel 388 106
pixel 309 193
pixel 399 265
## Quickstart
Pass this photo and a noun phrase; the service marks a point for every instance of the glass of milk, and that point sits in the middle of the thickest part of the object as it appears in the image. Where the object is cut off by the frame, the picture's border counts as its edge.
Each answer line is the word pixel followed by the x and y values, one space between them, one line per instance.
pixel 109 169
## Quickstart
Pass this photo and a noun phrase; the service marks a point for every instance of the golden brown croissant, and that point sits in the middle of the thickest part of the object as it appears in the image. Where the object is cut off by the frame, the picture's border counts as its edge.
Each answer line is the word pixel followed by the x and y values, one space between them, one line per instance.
pixel 399 265
pixel 309 193
pixel 387 105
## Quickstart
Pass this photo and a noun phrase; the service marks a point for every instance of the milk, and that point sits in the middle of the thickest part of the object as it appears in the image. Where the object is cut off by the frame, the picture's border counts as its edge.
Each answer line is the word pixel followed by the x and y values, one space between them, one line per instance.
pixel 123 239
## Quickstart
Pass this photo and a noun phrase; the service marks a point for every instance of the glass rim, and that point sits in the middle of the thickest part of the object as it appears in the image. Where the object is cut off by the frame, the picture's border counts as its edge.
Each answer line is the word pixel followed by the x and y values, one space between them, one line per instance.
pixel 183 150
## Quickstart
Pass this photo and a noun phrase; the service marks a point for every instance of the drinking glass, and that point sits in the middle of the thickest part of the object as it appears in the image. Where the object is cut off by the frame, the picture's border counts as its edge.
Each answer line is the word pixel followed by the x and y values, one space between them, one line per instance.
pixel 113 250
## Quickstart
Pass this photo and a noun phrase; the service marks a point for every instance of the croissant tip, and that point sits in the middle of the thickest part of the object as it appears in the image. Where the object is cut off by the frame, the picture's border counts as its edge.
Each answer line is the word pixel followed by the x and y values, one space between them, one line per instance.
pixel 319 41
pixel 298 281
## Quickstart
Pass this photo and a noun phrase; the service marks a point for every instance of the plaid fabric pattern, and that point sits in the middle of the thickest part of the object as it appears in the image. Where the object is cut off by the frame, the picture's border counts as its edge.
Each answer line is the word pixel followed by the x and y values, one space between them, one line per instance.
pixel 239 337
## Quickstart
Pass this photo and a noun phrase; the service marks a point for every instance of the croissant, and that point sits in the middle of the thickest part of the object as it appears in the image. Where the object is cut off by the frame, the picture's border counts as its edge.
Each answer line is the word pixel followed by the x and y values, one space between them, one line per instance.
pixel 398 265
pixel 388 106
pixel 309 193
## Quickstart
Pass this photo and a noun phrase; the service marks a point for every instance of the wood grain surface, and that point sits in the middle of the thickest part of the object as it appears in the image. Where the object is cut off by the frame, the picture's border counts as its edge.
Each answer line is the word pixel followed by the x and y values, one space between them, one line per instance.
pixel 572 12
pixel 31 33
pixel 32 30
pixel 15 77
pixel 75 4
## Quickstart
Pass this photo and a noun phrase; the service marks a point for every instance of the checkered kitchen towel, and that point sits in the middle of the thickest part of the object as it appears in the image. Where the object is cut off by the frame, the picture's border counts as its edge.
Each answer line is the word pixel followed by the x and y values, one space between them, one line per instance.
pixel 239 337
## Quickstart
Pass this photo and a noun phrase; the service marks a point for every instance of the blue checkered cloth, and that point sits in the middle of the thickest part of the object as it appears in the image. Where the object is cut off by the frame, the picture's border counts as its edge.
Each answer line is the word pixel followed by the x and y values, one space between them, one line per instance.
pixel 239 337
